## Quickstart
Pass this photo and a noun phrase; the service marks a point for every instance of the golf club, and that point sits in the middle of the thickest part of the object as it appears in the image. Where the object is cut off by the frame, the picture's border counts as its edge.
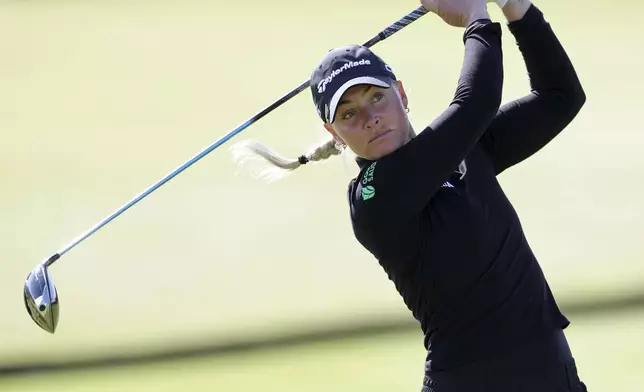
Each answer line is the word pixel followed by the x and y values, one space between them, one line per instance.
pixel 40 294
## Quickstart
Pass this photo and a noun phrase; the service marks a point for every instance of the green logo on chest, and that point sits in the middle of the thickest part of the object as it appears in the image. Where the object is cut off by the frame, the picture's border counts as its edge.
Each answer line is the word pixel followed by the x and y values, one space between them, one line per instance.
pixel 368 174
pixel 368 192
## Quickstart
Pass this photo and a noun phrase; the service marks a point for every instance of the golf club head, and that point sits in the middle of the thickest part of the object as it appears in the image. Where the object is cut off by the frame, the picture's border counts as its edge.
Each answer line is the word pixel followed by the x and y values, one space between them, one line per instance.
pixel 41 298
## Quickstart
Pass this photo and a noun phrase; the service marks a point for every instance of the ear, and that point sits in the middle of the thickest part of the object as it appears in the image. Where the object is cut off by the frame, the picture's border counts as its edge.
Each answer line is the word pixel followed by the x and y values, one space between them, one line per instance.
pixel 402 93
pixel 333 133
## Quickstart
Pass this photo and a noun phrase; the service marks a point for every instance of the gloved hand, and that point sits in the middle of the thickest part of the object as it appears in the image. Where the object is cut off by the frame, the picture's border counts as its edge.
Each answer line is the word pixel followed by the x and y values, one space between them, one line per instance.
pixel 515 9
pixel 457 13
pixel 500 3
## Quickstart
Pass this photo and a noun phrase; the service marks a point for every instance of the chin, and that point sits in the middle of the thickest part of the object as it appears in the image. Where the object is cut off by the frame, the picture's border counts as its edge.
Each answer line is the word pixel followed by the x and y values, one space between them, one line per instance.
pixel 386 147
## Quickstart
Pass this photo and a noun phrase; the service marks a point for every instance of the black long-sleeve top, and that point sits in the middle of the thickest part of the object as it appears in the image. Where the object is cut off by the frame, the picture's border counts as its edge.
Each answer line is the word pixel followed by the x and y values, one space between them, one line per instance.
pixel 437 220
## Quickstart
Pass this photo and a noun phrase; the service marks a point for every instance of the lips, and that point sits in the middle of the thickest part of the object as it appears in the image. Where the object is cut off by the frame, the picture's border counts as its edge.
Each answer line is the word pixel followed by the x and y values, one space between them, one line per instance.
pixel 379 136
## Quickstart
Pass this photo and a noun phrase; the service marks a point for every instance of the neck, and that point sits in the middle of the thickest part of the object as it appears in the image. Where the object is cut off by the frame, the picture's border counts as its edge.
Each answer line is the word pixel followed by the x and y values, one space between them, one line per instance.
pixel 410 134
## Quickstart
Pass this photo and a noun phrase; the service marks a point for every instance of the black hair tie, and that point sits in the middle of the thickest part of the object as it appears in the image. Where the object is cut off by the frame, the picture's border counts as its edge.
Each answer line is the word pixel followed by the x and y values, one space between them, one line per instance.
pixel 303 159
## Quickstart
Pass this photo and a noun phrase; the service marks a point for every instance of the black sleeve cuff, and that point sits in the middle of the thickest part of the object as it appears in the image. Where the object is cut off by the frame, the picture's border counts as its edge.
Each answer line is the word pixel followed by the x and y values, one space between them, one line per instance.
pixel 532 18
pixel 480 27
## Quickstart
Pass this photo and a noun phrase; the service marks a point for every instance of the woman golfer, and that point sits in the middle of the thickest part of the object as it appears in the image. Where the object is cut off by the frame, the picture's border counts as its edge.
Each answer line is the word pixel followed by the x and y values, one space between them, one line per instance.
pixel 428 206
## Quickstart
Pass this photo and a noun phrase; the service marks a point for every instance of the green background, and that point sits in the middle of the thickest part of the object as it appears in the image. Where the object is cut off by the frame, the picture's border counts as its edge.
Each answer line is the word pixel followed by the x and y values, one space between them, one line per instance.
pixel 99 100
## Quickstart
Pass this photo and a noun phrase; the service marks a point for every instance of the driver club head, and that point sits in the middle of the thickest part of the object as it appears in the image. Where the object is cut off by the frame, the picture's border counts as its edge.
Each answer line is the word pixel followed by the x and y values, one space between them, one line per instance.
pixel 41 298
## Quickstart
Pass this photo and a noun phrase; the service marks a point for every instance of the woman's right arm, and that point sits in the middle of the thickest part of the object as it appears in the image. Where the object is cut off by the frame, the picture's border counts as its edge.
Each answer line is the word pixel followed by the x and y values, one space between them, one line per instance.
pixel 403 182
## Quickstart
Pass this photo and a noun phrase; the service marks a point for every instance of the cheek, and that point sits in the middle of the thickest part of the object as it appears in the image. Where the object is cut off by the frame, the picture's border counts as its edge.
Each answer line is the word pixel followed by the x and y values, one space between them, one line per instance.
pixel 396 119
pixel 355 138
pixel 402 122
pixel 400 116
pixel 352 135
pixel 399 123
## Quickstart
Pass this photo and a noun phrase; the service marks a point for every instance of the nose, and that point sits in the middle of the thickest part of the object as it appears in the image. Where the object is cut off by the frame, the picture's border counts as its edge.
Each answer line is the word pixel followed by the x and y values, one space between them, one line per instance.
pixel 372 121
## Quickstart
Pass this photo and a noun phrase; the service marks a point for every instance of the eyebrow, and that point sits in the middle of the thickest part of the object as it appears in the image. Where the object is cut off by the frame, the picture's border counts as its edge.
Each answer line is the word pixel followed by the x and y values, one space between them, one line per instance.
pixel 364 91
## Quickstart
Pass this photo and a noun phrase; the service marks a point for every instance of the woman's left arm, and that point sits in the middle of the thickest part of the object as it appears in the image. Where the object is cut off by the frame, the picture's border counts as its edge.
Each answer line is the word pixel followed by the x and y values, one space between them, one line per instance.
pixel 524 126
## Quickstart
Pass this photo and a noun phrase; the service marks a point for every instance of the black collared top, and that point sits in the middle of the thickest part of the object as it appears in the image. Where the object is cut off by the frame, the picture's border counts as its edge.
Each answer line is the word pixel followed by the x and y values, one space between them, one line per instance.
pixel 434 216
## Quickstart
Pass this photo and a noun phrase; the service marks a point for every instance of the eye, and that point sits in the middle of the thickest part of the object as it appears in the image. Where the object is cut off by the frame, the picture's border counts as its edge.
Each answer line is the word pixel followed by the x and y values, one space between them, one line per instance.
pixel 346 115
pixel 378 97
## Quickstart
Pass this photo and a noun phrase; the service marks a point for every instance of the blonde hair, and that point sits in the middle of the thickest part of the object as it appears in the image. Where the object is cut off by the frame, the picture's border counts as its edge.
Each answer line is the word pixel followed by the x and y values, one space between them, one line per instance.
pixel 273 166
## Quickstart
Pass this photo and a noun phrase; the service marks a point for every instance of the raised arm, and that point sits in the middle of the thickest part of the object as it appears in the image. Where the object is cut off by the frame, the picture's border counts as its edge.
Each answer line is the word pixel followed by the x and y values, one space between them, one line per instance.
pixel 405 180
pixel 524 126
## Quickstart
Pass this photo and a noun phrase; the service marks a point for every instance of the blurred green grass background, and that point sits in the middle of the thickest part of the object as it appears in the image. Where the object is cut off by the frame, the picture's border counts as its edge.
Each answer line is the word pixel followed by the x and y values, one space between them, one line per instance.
pixel 608 353
pixel 101 99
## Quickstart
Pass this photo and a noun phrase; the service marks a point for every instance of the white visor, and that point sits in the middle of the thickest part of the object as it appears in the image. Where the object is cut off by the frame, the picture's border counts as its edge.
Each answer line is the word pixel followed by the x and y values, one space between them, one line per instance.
pixel 333 105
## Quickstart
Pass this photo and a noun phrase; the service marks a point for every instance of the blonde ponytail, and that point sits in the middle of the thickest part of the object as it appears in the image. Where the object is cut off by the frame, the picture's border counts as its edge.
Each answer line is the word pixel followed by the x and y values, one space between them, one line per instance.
pixel 274 166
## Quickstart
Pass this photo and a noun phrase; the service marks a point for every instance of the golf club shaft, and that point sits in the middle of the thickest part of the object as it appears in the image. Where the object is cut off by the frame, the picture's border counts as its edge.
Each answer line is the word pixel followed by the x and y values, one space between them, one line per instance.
pixel 384 34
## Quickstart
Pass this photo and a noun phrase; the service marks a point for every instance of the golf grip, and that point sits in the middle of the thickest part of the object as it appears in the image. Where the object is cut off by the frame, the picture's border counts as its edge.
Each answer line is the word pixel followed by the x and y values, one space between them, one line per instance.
pixel 409 18
pixel 397 26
